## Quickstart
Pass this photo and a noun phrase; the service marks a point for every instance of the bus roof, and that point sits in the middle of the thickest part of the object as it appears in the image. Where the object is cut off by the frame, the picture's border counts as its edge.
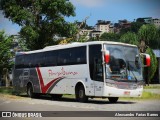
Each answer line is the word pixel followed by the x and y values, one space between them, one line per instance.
pixel 74 44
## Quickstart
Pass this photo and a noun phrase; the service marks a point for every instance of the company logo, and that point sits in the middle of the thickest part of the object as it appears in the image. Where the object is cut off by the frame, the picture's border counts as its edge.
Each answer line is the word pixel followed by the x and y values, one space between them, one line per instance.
pixel 6 114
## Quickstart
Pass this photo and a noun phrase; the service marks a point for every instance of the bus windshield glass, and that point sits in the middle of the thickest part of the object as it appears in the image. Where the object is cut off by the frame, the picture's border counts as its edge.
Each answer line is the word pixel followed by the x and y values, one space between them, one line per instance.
pixel 125 63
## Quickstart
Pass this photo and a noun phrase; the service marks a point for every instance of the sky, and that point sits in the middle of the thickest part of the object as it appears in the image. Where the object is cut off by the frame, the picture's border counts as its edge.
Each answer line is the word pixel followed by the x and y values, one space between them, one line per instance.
pixel 110 10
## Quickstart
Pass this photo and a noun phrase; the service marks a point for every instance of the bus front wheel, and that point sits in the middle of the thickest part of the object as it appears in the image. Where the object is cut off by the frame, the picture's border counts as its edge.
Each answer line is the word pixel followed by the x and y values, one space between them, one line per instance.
pixel 113 99
pixel 80 94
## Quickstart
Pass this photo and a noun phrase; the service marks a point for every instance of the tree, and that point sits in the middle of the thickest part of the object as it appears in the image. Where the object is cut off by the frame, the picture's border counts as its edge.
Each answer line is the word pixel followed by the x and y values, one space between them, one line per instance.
pixel 110 37
pixel 154 63
pixel 5 55
pixel 40 20
pixel 135 26
pixel 130 38
pixel 149 34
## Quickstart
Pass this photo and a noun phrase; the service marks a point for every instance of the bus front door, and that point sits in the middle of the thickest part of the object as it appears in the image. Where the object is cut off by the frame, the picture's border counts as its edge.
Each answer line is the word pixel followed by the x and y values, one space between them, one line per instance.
pixel 98 77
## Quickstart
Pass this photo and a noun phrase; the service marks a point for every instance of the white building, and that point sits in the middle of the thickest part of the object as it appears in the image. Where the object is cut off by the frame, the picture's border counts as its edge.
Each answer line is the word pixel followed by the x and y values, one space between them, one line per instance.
pixel 156 22
pixel 103 26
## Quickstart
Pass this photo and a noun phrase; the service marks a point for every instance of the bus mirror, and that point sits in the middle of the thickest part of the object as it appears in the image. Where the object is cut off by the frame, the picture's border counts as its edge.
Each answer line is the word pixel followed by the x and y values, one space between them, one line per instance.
pixel 106 56
pixel 147 60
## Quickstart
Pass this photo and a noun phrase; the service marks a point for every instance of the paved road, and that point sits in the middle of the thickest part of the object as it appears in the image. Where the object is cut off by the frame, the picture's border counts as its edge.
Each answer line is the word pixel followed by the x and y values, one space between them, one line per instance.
pixel 12 103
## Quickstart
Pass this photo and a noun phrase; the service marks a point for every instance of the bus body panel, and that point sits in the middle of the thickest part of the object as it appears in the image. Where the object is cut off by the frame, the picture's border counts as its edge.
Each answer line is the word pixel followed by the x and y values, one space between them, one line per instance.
pixel 64 79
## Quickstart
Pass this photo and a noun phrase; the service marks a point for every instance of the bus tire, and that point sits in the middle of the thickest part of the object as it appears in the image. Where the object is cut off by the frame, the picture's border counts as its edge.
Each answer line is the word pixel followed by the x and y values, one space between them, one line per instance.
pixel 56 96
pixel 30 91
pixel 80 94
pixel 113 99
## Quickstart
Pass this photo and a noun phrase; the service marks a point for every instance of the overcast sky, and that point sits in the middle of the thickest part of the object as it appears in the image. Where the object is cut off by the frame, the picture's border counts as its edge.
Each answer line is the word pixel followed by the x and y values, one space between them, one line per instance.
pixel 111 10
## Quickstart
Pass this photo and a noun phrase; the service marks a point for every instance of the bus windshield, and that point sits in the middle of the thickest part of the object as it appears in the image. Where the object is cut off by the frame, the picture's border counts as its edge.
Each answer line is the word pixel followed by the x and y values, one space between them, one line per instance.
pixel 125 63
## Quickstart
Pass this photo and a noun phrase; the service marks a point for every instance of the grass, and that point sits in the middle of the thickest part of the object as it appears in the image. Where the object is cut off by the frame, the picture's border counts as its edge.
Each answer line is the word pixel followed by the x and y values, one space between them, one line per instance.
pixel 145 96
pixel 152 87
pixel 69 96
pixel 6 90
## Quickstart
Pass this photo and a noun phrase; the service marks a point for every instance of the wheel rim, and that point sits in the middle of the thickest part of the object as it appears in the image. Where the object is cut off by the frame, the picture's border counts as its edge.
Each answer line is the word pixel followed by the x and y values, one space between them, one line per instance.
pixel 29 91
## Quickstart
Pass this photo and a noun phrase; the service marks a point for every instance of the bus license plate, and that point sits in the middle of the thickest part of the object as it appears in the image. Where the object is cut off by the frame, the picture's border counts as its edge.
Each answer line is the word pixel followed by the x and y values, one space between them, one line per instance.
pixel 126 92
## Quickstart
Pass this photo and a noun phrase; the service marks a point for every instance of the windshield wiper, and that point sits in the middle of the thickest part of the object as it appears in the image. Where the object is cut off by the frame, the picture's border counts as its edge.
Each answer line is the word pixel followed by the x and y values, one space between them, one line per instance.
pixel 131 71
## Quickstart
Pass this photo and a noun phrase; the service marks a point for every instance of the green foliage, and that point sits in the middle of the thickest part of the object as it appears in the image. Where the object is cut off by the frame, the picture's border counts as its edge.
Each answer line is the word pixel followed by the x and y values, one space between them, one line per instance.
pixel 5 53
pixel 110 37
pixel 150 34
pixel 154 64
pixel 135 26
pixel 6 90
pixel 82 38
pixel 130 38
pixel 41 20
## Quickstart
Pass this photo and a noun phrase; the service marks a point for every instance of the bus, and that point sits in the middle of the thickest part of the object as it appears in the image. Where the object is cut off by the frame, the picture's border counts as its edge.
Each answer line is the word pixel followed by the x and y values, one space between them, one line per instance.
pixel 88 70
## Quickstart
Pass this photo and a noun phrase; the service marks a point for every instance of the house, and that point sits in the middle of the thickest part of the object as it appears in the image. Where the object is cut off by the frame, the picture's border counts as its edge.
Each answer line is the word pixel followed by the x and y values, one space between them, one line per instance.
pixel 96 34
pixel 122 24
pixel 156 22
pixel 101 27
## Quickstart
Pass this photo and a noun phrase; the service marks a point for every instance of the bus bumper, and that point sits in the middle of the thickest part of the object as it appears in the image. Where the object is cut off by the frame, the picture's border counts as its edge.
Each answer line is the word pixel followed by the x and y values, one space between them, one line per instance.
pixel 116 92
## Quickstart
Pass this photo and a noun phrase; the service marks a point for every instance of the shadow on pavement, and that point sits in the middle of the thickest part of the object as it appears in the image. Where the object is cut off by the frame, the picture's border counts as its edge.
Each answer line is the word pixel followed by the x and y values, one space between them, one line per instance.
pixel 90 101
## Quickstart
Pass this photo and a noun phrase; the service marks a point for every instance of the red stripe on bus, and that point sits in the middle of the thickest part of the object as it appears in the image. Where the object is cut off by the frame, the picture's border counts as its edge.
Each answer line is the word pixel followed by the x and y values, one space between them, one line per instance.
pixel 44 88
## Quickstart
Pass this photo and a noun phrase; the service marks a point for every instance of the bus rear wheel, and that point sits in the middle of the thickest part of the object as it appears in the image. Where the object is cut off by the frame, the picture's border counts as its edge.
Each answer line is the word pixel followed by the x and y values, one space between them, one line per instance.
pixel 80 94
pixel 30 91
pixel 113 99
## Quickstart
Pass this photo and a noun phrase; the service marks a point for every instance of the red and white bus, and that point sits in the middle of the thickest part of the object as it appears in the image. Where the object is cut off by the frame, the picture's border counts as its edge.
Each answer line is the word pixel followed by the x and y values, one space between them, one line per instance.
pixel 91 69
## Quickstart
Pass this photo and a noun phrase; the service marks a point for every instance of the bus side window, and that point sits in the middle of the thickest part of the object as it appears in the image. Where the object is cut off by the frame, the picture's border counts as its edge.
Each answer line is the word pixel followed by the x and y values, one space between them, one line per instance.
pixel 50 58
pixel 72 56
pixel 79 55
pixel 27 60
pixel 38 60
pixel 19 61
pixel 63 57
